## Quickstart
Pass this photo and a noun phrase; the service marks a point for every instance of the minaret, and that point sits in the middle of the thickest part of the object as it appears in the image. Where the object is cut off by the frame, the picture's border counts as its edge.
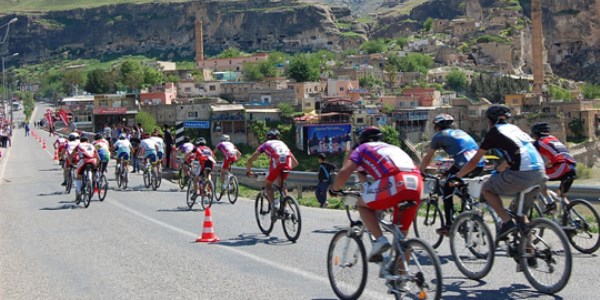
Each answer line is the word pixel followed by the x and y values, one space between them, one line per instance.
pixel 199 41
pixel 537 46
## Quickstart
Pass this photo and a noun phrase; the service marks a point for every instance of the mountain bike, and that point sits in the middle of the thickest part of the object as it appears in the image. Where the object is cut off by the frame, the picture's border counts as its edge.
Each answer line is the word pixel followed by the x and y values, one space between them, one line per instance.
pixel 122 175
pixel 207 189
pixel 69 184
pixel 411 267
pixel 288 211
pixel 231 186
pixel 183 175
pixel 100 185
pixel 578 219
pixel 540 248
pixel 151 176
pixel 430 216
pixel 87 186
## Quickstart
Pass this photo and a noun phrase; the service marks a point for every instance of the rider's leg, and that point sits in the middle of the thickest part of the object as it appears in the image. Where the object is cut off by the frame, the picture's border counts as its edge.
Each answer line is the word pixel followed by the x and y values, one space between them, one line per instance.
pixel 369 218
pixel 222 174
pixel 269 189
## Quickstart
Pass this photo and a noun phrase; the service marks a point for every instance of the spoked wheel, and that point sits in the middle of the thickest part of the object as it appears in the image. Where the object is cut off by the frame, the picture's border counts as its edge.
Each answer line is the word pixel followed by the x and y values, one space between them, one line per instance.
pixel 291 219
pixel 582 225
pixel 219 187
pixel 124 178
pixel 158 179
pixel 208 194
pixel 147 181
pixel 119 175
pixel 347 265
pixel 190 195
pixel 546 260
pixel 181 179
pixel 154 180
pixel 69 182
pixel 87 190
pixel 428 219
pixel 424 269
pixel 232 189
pixel 472 246
pixel 102 187
pixel 262 211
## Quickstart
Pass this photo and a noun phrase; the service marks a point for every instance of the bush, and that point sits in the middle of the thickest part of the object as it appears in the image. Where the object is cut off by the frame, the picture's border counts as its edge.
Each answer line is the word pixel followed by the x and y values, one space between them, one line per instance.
pixel 147 120
pixel 583 172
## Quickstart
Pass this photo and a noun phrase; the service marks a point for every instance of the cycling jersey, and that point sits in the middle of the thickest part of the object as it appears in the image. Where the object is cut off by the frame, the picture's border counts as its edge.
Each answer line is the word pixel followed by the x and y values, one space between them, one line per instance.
pixel 71 145
pixel 103 148
pixel 60 144
pixel 458 144
pixel 160 143
pixel 149 147
pixel 85 151
pixel 515 145
pixel 278 152
pixel 379 159
pixel 553 150
pixel 123 149
pixel 229 151
pixel 204 155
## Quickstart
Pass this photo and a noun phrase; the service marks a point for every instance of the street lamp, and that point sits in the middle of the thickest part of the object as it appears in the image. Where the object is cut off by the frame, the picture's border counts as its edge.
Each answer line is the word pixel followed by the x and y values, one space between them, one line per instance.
pixel 7 25
pixel 4 93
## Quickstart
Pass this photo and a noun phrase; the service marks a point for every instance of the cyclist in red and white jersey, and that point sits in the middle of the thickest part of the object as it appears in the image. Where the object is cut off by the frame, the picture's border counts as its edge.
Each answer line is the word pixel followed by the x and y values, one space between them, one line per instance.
pixel 59 145
pixel 66 154
pixel 87 154
pixel 230 156
pixel 397 179
pixel 206 160
pixel 282 161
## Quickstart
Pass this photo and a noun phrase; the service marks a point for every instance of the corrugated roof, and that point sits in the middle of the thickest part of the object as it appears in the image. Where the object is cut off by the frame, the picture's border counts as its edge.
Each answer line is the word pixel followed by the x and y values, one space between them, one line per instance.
pixel 262 110
pixel 227 107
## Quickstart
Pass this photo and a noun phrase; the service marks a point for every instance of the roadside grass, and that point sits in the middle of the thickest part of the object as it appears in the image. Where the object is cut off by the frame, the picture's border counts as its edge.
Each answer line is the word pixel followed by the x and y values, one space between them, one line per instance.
pixel 308 197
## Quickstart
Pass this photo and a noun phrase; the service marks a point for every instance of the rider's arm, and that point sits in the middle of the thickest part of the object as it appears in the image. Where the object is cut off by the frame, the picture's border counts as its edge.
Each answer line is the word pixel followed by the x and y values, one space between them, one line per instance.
pixel 426 160
pixel 294 161
pixel 252 158
pixel 347 169
pixel 472 164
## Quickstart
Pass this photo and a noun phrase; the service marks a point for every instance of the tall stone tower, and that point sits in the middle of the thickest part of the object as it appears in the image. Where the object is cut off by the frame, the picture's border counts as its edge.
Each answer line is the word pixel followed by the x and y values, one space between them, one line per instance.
pixel 537 46
pixel 199 41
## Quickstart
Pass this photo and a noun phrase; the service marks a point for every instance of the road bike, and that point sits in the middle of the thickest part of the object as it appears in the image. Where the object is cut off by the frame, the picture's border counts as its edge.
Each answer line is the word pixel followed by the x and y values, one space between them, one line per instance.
pixel 288 211
pixel 540 248
pixel 206 187
pixel 152 177
pixel 87 186
pixel 578 219
pixel 70 176
pixel 122 175
pixel 411 267
pixel 430 215
pixel 183 175
pixel 231 186
pixel 100 185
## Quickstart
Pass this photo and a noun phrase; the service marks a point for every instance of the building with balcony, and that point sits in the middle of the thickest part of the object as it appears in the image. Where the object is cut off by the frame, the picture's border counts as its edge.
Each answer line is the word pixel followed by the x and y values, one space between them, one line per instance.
pixel 114 109
pixel 165 95
pixel 81 108
pixel 228 119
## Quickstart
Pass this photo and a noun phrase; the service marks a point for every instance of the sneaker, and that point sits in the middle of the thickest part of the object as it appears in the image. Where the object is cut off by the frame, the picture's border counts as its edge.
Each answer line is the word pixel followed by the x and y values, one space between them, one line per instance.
pixel 64 183
pixel 550 208
pixel 506 228
pixel 378 247
pixel 444 230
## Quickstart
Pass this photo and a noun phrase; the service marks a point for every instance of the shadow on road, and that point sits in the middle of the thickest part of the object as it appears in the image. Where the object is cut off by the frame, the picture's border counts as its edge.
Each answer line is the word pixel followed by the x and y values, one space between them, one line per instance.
pixel 333 230
pixel 251 239
pixel 51 194
pixel 62 207
pixel 460 289
pixel 181 209
pixel 50 170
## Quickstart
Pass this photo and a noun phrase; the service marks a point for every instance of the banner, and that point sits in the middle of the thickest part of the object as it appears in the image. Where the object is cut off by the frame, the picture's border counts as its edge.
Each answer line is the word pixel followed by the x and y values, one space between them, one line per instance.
pixel 49 118
pixel 64 117
pixel 327 138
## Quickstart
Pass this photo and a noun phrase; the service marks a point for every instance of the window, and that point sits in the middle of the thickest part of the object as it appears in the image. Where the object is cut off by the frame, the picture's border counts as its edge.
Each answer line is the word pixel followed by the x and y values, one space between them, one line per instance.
pixel 187 89
pixel 307 104
pixel 192 115
pixel 103 103
pixel 212 88
pixel 472 112
pixel 360 120
pixel 341 88
pixel 515 101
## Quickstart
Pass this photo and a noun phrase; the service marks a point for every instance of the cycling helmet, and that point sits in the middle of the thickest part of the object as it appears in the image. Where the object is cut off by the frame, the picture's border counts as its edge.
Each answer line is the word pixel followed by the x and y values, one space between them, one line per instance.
pixel 225 138
pixel 273 134
pixel 200 141
pixel 540 129
pixel 97 137
pixel 443 120
pixel 73 136
pixel 498 112
pixel 370 134
pixel 84 139
pixel 122 136
pixel 145 135
pixel 186 139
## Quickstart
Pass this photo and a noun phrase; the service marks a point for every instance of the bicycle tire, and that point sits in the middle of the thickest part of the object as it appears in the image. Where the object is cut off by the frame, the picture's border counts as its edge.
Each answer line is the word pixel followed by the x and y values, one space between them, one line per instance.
pixel 69 185
pixel 147 181
pixel 422 261
pixel 470 229
pixel 154 180
pixel 88 188
pixel 102 187
pixel 118 175
pixel 125 179
pixel 180 179
pixel 291 220
pixel 354 259
pixel 233 190
pixel 188 195
pixel 158 178
pixel 262 212
pixel 545 257
pixel 208 194
pixel 429 218
pixel 586 225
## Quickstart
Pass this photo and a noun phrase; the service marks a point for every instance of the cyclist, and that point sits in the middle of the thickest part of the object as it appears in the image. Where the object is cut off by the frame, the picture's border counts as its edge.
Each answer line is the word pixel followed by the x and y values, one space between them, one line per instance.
pixel 66 153
pixel 282 161
pixel 59 145
pixel 524 166
pixel 397 179
pixel 149 148
pixel 561 165
pixel 230 156
pixel 124 149
pixel 103 148
pixel 186 148
pixel 87 154
pixel 157 137
pixel 206 161
pixel 461 147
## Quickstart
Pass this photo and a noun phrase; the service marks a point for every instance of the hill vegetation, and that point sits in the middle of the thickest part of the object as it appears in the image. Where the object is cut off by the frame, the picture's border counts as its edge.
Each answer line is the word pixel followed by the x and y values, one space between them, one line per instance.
pixel 24 6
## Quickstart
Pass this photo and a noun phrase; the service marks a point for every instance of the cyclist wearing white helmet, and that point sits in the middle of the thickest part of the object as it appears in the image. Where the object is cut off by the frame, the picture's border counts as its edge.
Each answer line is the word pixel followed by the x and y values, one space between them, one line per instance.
pixel 230 156
pixel 67 151
pixel 124 150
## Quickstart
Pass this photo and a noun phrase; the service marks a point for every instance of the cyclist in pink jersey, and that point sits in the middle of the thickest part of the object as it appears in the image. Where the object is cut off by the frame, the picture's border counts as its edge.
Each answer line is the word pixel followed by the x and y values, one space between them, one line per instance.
pixel 396 179
pixel 282 161
pixel 230 155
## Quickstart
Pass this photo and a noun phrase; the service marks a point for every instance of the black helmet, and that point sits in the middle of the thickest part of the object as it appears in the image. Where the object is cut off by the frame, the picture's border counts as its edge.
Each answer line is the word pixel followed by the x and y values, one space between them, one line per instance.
pixel 443 120
pixel 540 129
pixel 186 139
pixel 371 133
pixel 498 112
pixel 200 141
pixel 273 134
pixel 97 137
pixel 83 139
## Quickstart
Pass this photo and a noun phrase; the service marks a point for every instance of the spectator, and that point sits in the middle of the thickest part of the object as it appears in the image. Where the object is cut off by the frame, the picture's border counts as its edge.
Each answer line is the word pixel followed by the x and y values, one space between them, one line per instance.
pixel 325 171
pixel 26 129
pixel 168 144
pixel 135 143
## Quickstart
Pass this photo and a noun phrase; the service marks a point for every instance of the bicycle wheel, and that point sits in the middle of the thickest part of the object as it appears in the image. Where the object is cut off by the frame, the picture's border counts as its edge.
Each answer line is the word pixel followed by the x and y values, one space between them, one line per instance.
pixel 147 181
pixel 472 246
pixel 154 180
pixel 88 188
pixel 548 268
pixel 102 187
pixel 125 178
pixel 291 220
pixel 188 195
pixel 347 265
pixel 118 175
pixel 581 224
pixel 158 178
pixel 181 179
pixel 262 211
pixel 233 189
pixel 69 181
pixel 208 194
pixel 424 270
pixel 429 218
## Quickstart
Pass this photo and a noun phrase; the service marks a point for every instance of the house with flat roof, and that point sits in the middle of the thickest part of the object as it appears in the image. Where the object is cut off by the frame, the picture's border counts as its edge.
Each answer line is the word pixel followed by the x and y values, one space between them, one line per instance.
pixel 228 119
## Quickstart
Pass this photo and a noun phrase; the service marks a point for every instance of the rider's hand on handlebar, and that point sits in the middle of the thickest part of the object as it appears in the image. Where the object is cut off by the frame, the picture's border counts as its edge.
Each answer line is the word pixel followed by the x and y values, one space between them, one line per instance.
pixel 333 192
pixel 454 181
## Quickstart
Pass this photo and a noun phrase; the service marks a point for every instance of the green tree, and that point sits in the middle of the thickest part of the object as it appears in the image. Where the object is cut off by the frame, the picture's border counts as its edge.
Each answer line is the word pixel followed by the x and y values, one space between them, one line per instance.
pixel 131 74
pixel 558 93
pixel 277 57
pixel 230 52
pixel 456 80
pixel 374 46
pixel 287 111
pixel 101 81
pixel 73 79
pixel 428 24
pixel 369 82
pixel 303 68
pixel 252 72
pixel 391 135
pixel 28 104
pixel 147 120
pixel 590 91
pixel 259 128
pixel 416 62
pixel 152 76
pixel 576 126
pixel 267 68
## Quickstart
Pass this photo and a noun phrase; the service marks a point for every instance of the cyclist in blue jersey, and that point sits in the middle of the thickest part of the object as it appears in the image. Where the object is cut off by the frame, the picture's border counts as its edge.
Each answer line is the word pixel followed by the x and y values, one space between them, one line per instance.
pixel 525 166
pixel 461 147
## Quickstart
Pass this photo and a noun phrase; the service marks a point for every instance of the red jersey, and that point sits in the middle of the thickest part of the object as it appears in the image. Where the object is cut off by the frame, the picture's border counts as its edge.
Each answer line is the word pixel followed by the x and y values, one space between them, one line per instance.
pixel 278 152
pixel 553 150
pixel 204 153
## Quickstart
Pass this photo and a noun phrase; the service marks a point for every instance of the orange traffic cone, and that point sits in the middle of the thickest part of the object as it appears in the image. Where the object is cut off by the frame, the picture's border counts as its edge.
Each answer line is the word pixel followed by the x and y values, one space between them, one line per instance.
pixel 44 144
pixel 55 154
pixel 208 233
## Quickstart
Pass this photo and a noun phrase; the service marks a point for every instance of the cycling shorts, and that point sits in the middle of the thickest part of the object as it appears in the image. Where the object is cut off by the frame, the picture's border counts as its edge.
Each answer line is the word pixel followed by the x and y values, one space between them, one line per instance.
pixel 205 166
pixel 124 156
pixel 104 155
pixel 228 162
pixel 151 156
pixel 278 171
pixel 160 155
pixel 559 170
pixel 389 191
pixel 83 162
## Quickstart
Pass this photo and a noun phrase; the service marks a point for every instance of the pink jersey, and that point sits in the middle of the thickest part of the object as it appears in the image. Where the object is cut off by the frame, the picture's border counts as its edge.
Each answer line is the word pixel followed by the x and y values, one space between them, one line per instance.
pixel 71 145
pixel 381 160
pixel 85 150
pixel 278 151
pixel 228 149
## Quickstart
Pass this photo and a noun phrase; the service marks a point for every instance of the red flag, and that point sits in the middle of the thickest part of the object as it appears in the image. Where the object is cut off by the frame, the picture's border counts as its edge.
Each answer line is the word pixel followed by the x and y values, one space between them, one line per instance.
pixel 64 117
pixel 49 114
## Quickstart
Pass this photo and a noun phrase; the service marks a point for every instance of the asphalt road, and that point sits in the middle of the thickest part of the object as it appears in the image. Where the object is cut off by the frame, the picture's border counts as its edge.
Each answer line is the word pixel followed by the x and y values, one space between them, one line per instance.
pixel 140 244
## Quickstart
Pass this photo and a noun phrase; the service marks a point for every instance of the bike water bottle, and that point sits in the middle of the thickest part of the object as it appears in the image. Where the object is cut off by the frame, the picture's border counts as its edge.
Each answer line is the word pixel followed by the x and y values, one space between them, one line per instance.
pixel 276 203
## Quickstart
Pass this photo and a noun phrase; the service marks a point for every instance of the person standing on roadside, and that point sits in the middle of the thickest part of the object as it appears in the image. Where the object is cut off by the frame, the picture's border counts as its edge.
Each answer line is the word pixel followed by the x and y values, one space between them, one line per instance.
pixel 135 143
pixel 326 169
pixel 26 129
pixel 168 144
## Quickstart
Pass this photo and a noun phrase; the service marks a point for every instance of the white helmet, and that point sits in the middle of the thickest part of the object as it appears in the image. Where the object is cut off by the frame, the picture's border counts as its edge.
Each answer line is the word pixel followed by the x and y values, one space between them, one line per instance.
pixel 73 136
pixel 225 138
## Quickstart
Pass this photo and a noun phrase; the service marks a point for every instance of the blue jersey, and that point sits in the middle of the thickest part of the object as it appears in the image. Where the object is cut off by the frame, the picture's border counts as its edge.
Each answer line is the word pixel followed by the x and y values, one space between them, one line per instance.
pixel 458 144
